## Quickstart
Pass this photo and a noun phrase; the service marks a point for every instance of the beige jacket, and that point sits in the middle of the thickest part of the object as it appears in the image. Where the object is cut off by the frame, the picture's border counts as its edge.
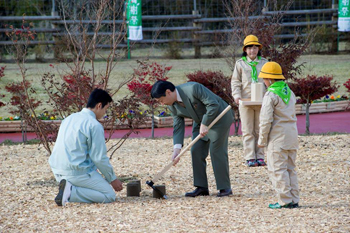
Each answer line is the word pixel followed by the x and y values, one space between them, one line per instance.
pixel 242 78
pixel 278 123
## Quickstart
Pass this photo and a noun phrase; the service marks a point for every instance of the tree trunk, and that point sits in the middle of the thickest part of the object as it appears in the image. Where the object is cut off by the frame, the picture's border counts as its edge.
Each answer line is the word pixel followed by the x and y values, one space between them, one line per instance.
pixel 307 131
pixel 152 125
pixel 236 122
pixel 152 110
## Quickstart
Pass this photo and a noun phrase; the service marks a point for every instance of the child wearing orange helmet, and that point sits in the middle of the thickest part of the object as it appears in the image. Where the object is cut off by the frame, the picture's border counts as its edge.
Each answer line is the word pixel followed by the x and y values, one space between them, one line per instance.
pixel 245 73
pixel 279 135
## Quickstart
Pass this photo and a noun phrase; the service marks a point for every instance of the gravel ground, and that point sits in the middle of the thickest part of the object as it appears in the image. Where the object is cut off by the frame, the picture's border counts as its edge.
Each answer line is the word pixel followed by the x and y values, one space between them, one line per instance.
pixel 28 188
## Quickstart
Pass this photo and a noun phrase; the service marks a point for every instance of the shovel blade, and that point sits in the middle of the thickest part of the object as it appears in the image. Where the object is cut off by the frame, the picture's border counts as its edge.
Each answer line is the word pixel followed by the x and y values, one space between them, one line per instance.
pixel 151 184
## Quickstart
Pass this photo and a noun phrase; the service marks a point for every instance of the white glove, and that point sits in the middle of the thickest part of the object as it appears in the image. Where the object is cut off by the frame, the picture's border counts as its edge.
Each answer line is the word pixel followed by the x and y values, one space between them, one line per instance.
pixel 175 154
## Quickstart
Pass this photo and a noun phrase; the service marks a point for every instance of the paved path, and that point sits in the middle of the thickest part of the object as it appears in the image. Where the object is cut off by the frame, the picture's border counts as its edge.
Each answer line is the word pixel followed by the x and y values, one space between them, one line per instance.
pixel 319 123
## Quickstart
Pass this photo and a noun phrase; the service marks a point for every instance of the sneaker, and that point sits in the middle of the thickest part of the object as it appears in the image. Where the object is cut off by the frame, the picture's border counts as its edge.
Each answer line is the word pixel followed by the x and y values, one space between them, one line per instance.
pixel 252 163
pixel 288 206
pixel 261 162
pixel 64 191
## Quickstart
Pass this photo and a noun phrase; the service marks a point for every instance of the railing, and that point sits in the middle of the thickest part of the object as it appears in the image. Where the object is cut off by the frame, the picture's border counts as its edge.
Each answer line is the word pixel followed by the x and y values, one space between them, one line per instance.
pixel 298 12
pixel 29 18
pixel 196 35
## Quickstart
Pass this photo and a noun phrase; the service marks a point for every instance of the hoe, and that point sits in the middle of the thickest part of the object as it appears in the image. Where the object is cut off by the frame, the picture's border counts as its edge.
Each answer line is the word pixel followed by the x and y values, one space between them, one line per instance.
pixel 167 167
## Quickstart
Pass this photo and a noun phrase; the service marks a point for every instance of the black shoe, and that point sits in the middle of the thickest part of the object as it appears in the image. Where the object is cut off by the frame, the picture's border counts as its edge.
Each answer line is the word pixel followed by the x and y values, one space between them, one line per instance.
pixel 295 205
pixel 64 191
pixel 199 191
pixel 291 205
pixel 224 193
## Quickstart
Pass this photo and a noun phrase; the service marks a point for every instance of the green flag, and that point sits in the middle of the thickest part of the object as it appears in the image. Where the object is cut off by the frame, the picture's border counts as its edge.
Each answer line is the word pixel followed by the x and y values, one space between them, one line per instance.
pixel 344 16
pixel 134 19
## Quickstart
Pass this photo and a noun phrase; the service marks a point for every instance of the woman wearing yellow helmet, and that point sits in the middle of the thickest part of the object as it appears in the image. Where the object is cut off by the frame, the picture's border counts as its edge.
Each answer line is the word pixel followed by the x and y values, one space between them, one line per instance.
pixel 279 134
pixel 245 73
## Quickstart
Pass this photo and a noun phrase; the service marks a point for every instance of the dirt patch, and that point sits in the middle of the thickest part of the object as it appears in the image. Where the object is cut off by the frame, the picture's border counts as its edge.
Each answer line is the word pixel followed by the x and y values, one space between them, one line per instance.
pixel 28 188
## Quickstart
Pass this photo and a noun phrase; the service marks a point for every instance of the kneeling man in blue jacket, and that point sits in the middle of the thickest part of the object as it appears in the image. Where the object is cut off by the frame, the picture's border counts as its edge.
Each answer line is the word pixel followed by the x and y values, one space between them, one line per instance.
pixel 79 151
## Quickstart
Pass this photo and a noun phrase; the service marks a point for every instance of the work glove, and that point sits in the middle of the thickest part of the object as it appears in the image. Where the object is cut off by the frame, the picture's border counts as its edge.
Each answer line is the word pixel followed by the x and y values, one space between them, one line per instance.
pixel 174 158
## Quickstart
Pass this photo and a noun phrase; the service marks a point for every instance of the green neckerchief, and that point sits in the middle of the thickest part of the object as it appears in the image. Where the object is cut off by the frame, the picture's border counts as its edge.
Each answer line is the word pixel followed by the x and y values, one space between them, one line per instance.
pixel 281 89
pixel 253 65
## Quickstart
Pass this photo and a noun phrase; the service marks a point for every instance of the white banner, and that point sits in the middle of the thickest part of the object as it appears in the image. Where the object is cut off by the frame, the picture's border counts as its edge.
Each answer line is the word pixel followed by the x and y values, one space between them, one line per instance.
pixel 344 16
pixel 135 33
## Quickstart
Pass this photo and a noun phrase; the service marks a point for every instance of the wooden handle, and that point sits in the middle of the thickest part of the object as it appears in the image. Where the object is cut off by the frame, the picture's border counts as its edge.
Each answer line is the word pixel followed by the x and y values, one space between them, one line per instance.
pixel 167 167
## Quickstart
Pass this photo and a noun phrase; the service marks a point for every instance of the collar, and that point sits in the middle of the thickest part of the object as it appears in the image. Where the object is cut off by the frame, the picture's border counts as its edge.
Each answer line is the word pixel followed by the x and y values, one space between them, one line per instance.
pixel 178 97
pixel 89 112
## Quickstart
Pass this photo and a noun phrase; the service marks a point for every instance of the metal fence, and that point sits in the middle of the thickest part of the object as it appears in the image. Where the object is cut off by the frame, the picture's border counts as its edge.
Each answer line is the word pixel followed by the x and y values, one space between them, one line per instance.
pixel 207 8
pixel 197 22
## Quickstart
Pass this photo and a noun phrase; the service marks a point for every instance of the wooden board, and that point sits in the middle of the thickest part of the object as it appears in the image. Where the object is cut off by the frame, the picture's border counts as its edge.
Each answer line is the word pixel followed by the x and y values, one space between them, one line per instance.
pixel 249 102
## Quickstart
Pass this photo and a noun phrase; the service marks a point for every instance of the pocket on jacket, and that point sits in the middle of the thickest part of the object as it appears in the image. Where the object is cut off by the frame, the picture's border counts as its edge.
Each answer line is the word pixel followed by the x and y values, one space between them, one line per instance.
pixel 246 76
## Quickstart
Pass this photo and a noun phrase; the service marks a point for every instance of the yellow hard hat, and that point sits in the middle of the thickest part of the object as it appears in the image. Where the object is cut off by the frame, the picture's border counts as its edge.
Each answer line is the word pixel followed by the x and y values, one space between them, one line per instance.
pixel 251 40
pixel 271 70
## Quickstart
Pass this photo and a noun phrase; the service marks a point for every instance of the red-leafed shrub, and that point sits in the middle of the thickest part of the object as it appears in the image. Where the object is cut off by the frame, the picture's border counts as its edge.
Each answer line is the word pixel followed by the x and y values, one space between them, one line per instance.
pixel 21 34
pixel 22 95
pixel 19 98
pixel 219 84
pixel 312 88
pixel 347 85
pixel 25 106
pixel 143 79
pixel 70 94
pixel 20 38
pixel 215 81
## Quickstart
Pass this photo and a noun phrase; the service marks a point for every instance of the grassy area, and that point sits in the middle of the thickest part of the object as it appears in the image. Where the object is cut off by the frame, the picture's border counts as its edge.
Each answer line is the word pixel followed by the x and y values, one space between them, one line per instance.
pixel 336 65
pixel 9 142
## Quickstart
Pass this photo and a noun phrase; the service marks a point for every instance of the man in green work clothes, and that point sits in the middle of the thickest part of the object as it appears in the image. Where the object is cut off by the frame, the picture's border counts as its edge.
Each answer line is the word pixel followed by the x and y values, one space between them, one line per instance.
pixel 195 101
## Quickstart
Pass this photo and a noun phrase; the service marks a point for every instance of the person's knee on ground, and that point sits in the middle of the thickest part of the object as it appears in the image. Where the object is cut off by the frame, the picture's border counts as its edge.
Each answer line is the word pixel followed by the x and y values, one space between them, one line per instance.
pixel 110 197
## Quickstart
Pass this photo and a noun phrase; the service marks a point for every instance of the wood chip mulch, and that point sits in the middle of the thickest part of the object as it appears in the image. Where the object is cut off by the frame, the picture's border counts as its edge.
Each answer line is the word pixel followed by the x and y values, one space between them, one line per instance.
pixel 28 189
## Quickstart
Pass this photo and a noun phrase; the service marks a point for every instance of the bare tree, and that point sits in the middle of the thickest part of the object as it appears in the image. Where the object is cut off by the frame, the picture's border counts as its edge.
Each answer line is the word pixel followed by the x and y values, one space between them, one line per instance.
pixel 243 15
pixel 22 93
pixel 89 26
pixel 246 17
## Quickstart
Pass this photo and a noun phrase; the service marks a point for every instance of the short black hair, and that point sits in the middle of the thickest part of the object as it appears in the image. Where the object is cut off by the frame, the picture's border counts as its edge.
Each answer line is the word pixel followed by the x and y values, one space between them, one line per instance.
pixel 98 96
pixel 160 87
